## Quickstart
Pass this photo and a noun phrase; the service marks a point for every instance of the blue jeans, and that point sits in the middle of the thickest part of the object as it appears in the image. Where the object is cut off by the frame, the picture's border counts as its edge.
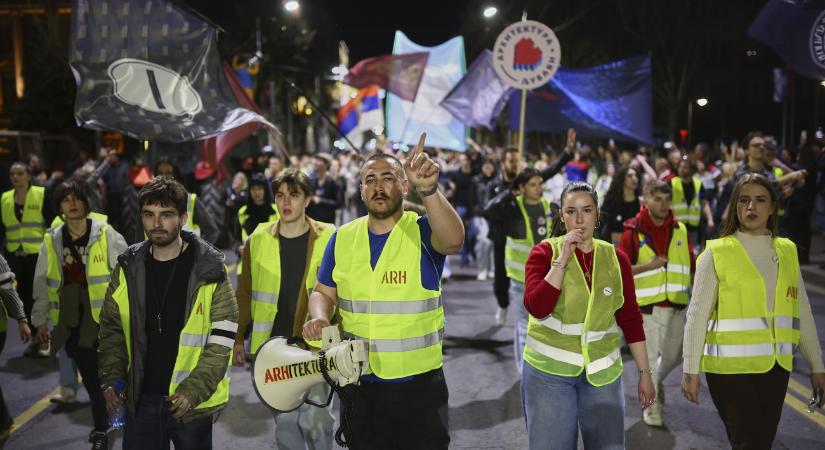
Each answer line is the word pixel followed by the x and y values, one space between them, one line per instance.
pixel 153 427
pixel 520 328
pixel 555 407
pixel 308 427
pixel 68 370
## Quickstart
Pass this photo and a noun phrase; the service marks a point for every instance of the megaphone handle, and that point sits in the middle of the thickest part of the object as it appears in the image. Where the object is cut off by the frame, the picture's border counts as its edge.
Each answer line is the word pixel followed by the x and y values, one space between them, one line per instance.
pixel 322 364
pixel 321 405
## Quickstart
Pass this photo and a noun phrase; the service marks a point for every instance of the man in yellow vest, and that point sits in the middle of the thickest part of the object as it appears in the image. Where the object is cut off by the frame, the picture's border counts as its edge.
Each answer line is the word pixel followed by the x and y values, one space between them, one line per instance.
pixel 200 221
pixel 70 281
pixel 281 260
pixel 382 273
pixel 663 265
pixel 167 328
pixel 26 212
pixel 690 203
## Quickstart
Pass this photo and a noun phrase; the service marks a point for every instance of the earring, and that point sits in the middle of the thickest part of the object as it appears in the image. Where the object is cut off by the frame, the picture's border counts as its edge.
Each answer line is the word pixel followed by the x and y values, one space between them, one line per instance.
pixel 598 224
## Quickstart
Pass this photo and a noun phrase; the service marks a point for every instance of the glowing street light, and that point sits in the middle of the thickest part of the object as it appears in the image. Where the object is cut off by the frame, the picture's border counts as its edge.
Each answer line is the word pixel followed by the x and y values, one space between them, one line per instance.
pixel 490 11
pixel 701 101
pixel 292 5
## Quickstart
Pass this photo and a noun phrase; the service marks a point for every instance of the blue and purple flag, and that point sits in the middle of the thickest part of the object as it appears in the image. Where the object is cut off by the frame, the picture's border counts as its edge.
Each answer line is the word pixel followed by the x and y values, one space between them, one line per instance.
pixel 478 99
pixel 795 30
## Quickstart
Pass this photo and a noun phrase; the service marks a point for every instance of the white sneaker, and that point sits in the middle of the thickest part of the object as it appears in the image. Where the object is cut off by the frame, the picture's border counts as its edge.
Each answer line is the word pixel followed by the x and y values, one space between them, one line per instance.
pixel 491 274
pixel 44 350
pixel 501 316
pixel 66 395
pixel 653 415
pixel 482 276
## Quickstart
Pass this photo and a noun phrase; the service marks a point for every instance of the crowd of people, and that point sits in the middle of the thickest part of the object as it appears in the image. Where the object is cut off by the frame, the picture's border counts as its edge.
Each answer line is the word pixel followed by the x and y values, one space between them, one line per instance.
pixel 125 283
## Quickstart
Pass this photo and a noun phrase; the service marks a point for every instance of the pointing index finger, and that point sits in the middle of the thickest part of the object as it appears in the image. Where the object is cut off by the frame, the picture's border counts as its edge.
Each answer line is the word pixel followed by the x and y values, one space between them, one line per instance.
pixel 420 147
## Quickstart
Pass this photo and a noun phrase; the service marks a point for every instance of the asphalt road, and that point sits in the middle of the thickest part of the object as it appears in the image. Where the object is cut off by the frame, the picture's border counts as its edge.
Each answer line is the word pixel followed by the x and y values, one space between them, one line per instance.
pixel 485 405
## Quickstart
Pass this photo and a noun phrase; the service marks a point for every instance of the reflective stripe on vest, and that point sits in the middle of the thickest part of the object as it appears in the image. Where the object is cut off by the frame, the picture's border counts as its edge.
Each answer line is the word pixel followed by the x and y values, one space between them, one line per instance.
pixel 27 233
pixel 687 214
pixel 743 336
pixel 670 283
pixel 98 272
pixel 388 306
pixel 264 255
pixel 197 330
pixel 581 335
pixel 516 251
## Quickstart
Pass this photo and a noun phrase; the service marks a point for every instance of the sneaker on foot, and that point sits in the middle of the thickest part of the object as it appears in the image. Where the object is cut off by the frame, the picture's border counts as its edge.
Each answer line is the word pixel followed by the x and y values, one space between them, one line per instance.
pixel 653 415
pixel 100 441
pixel 66 395
pixel 491 274
pixel 43 351
pixel 32 349
pixel 482 276
pixel 501 316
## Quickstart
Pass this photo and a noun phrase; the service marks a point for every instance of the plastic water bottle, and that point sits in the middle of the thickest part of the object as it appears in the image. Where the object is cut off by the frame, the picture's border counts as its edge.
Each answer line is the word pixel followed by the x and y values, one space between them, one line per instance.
pixel 118 418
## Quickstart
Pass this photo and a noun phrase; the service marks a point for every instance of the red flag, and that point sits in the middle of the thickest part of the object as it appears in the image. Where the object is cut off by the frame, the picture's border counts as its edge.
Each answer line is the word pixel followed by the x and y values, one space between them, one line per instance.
pixel 400 74
pixel 217 148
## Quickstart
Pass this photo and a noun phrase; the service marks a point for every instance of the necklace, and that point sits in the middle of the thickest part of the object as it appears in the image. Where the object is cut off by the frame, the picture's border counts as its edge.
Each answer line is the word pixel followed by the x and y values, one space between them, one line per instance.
pixel 587 271
pixel 160 303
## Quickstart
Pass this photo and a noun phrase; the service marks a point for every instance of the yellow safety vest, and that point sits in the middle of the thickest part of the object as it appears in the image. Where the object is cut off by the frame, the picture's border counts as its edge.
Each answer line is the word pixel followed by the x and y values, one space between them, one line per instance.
pixel 264 253
pixel 740 338
pixel 100 217
pixel 670 283
pixel 687 214
pixel 190 209
pixel 243 216
pixel 29 232
pixel 516 251
pixel 388 306
pixel 193 338
pixel 98 272
pixel 581 334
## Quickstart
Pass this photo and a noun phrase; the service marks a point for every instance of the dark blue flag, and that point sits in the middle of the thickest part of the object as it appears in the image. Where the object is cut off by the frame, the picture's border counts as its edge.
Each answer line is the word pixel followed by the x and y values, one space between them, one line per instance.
pixel 612 101
pixel 795 30
pixel 150 70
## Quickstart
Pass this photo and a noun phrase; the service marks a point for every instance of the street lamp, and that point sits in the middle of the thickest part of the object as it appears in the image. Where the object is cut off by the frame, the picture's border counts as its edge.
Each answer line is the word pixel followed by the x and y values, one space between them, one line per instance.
pixel 701 102
pixel 490 11
pixel 292 5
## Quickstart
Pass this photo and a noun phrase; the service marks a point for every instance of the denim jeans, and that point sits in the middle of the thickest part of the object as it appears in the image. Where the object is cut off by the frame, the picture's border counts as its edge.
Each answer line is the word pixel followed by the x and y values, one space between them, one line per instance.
pixel 520 326
pixel 308 427
pixel 555 407
pixel 68 370
pixel 153 427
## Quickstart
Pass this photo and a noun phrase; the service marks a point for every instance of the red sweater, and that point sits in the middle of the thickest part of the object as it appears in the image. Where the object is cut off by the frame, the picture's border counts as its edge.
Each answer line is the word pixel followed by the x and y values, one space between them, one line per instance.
pixel 540 297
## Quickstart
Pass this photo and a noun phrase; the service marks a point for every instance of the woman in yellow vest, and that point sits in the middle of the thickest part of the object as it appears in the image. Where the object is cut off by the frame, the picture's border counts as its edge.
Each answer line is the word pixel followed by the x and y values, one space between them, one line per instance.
pixel 579 292
pixel 259 207
pixel 748 314
pixel 25 214
pixel 70 282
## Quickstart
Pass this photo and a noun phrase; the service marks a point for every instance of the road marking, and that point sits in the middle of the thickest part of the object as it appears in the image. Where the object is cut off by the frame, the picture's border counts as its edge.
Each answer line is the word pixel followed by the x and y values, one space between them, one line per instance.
pixel 802 407
pixel 30 413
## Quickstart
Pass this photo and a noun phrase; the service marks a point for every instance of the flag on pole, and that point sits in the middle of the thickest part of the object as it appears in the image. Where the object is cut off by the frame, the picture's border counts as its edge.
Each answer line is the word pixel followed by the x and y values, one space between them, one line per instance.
pixel 360 114
pixel 150 70
pixel 796 32
pixel 399 74
pixel 478 99
pixel 406 119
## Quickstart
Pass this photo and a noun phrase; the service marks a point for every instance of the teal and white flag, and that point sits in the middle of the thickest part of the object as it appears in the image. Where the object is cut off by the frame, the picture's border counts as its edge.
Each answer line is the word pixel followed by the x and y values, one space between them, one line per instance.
pixel 406 120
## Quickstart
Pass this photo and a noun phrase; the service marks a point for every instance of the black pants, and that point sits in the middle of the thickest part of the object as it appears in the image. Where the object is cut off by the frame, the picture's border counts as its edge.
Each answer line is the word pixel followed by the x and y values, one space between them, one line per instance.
pixel 501 283
pixel 23 268
pixel 408 415
pixel 86 360
pixel 153 427
pixel 750 405
pixel 6 419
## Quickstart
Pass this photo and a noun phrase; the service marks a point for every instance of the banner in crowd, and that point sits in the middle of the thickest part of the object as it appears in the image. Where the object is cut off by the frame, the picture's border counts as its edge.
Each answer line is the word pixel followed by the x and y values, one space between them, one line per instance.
pixel 478 99
pixel 406 120
pixel 150 70
pixel 360 114
pixel 795 30
pixel 613 101
pixel 399 74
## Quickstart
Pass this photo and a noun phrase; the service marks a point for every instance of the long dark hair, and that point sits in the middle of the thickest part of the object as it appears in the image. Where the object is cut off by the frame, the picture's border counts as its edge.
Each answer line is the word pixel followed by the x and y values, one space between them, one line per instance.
pixel 616 190
pixel 558 228
pixel 732 224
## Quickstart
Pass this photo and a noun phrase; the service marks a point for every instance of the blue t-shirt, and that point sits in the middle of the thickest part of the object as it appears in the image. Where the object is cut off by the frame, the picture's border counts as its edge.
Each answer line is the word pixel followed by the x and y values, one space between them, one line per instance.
pixel 432 262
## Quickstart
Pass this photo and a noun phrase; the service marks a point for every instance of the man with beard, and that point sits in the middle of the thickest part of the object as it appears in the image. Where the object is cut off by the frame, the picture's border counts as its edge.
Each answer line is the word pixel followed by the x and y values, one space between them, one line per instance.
pixel 167 329
pixel 383 274
pixel 283 256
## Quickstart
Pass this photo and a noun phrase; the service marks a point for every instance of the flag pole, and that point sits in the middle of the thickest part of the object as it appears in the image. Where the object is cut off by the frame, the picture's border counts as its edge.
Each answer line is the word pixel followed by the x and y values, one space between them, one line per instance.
pixel 521 123
pixel 323 115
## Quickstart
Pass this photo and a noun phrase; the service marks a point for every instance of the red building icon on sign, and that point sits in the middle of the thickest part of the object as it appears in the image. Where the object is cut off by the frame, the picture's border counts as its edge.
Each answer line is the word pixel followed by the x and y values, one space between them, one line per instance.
pixel 527 56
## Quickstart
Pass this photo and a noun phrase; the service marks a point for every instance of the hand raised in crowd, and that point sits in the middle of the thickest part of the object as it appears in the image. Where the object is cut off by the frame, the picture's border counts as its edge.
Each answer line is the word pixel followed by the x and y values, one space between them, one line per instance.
pixel 312 329
pixel 25 331
pixel 690 387
pixel 180 405
pixel 422 172
pixel 43 334
pixel 571 141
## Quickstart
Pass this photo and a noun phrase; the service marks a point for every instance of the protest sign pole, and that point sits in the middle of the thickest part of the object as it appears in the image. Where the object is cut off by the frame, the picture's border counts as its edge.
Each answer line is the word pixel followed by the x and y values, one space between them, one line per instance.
pixel 521 122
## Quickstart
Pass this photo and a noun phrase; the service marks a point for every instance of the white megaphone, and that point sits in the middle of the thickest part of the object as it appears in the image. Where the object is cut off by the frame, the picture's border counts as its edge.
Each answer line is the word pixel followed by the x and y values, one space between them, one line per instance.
pixel 283 373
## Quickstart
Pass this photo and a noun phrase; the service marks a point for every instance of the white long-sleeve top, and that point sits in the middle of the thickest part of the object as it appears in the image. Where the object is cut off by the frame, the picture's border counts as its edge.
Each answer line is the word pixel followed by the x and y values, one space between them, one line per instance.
pixel 705 295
